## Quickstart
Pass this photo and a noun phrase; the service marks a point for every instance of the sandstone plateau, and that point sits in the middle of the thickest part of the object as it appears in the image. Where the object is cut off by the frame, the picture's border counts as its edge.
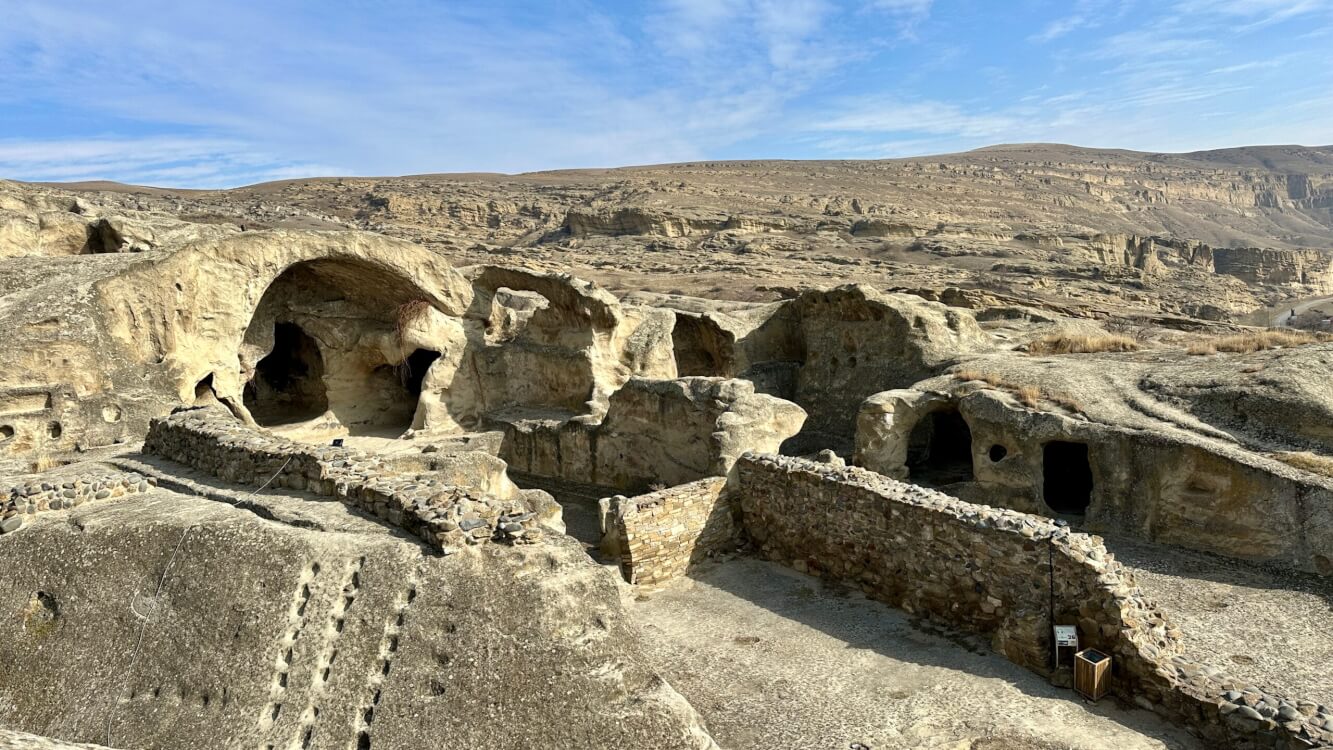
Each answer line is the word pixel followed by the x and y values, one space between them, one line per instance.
pixel 737 454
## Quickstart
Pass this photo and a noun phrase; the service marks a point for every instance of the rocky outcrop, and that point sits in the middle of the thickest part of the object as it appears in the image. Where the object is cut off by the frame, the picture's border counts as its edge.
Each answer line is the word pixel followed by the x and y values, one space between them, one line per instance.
pixel 106 350
pixel 655 431
pixel 447 509
pixel 857 341
pixel 36 223
pixel 169 620
pixel 1123 461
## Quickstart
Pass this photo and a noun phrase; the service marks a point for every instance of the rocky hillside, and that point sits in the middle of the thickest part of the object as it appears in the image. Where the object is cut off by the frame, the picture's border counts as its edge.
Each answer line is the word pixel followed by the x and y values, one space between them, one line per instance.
pixel 1213 235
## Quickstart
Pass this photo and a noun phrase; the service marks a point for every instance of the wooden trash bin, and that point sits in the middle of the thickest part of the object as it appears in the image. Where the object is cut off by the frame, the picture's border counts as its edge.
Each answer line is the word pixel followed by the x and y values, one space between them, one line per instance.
pixel 1092 673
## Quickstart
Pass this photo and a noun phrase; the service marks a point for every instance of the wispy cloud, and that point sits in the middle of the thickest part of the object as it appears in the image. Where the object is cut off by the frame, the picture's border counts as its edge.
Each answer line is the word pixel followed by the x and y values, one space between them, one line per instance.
pixel 203 93
pixel 177 161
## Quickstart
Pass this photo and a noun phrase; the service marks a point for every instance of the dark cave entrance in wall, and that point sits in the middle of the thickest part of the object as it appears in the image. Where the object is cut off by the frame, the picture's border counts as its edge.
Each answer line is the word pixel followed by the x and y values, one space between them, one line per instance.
pixel 412 372
pixel 399 389
pixel 1066 474
pixel 289 383
pixel 939 449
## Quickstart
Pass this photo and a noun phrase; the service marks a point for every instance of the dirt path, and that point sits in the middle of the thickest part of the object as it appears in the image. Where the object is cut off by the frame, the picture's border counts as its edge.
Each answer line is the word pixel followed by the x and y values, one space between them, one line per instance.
pixel 774 660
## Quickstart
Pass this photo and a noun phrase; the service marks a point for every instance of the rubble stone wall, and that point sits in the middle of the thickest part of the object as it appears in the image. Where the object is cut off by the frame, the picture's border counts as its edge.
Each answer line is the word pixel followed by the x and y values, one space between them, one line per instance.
pixel 659 535
pixel 442 514
pixel 1009 575
pixel 28 499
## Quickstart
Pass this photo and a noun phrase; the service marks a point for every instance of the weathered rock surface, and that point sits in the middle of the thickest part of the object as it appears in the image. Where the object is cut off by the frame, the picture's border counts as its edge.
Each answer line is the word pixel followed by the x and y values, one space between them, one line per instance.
pixel 171 621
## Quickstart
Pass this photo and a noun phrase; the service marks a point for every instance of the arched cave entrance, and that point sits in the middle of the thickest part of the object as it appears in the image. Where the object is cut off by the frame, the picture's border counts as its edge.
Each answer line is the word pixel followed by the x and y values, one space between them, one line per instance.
pixel 289 383
pixel 939 449
pixel 1066 474
pixel 336 328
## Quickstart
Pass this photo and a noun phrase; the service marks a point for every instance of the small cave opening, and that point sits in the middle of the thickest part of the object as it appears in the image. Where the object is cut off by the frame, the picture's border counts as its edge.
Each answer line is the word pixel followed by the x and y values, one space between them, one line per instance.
pixel 289 383
pixel 203 391
pixel 939 449
pixel 412 371
pixel 699 346
pixel 1066 473
pixel 997 453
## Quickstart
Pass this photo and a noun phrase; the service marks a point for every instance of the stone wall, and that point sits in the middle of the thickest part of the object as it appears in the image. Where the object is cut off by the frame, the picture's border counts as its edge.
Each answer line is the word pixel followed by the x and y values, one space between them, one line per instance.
pixel 1008 575
pixel 659 535
pixel 439 512
pixel 27 499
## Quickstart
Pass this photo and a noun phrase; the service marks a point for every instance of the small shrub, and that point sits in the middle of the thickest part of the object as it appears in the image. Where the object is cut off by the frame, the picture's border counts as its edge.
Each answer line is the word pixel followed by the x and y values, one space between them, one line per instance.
pixel 1076 343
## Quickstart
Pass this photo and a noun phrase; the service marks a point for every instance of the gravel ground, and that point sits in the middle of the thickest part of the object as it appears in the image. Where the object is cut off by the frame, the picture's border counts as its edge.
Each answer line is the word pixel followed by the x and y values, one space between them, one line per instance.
pixel 1273 628
pixel 773 659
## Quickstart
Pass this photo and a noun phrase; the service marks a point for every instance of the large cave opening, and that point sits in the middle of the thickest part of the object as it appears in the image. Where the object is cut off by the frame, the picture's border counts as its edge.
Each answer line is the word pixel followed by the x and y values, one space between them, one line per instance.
pixel 939 449
pixel 289 382
pixel 1066 477
pixel 324 354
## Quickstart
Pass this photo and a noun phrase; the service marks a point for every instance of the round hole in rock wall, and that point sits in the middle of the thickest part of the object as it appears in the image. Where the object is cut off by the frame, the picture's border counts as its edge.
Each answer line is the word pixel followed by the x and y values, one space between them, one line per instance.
pixel 997 453
pixel 1323 565
pixel 6 432
pixel 54 430
pixel 111 414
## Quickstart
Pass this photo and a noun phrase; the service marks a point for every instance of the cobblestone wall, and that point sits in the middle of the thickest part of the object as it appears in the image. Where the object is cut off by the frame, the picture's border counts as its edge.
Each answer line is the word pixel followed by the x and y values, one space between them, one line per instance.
pixel 22 501
pixel 659 535
pixel 1009 575
pixel 442 514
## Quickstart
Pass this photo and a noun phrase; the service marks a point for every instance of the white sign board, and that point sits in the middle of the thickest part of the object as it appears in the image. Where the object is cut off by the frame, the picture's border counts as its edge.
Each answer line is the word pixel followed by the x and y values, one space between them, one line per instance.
pixel 1066 635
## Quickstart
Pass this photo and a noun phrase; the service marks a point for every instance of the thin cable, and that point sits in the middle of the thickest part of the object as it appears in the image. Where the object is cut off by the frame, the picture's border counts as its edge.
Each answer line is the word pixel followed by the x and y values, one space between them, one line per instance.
pixel 161 582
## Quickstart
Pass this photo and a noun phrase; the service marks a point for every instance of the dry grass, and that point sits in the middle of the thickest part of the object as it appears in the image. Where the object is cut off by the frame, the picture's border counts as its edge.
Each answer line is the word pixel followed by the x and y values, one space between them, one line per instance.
pixel 1029 395
pixel 43 462
pixel 42 459
pixel 408 313
pixel 1244 343
pixel 985 377
pixel 1307 461
pixel 1063 342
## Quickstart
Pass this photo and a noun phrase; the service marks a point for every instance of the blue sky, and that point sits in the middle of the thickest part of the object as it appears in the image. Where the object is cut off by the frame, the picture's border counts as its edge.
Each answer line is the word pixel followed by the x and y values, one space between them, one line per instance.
pixel 215 94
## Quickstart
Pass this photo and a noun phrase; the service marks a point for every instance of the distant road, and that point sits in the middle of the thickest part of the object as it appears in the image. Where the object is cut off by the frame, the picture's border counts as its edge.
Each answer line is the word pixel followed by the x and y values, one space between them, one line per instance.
pixel 1284 314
